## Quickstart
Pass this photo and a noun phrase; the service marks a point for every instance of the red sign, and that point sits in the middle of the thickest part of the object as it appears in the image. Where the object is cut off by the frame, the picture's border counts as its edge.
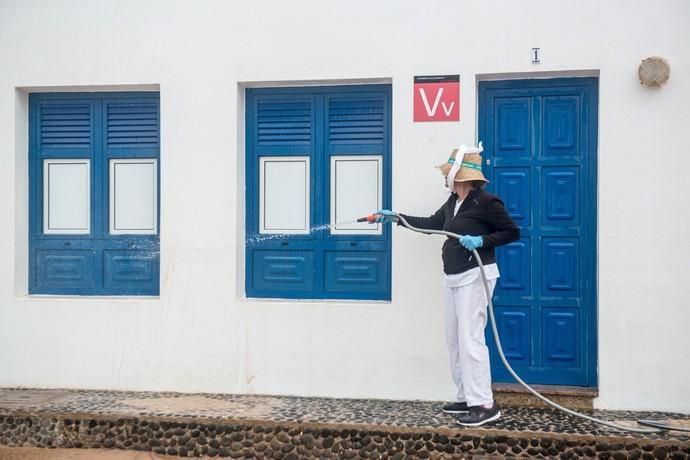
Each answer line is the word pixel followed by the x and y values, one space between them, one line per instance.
pixel 437 98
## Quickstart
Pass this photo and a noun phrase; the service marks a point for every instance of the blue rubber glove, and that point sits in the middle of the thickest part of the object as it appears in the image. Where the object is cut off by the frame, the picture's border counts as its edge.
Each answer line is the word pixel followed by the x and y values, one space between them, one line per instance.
pixel 471 242
pixel 384 216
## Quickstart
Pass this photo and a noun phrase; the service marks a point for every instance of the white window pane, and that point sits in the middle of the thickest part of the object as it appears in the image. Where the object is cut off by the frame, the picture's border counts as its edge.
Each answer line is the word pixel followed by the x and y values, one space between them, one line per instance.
pixel 355 192
pixel 66 197
pixel 284 195
pixel 133 196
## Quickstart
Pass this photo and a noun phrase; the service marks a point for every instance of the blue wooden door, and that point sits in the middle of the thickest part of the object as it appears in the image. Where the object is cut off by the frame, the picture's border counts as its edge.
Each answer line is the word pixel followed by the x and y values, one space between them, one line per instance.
pixel 540 156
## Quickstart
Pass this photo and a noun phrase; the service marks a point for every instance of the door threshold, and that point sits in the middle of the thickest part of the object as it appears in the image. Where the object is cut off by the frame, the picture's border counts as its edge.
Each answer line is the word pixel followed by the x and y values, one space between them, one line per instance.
pixel 513 394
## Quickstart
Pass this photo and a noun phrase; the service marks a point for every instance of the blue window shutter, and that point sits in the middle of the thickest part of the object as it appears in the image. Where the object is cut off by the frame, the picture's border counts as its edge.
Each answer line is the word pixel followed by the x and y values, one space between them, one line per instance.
pixel 317 122
pixel 93 127
pixel 286 122
pixel 356 119
pixel 132 126
pixel 358 124
pixel 66 125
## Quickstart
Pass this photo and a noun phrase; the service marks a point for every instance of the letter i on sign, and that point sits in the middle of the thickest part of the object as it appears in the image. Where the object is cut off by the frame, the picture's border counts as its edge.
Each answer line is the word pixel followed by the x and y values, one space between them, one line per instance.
pixel 437 98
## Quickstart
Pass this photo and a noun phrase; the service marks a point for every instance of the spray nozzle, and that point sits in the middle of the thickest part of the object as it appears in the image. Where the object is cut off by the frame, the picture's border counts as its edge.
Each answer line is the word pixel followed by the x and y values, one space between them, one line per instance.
pixel 371 218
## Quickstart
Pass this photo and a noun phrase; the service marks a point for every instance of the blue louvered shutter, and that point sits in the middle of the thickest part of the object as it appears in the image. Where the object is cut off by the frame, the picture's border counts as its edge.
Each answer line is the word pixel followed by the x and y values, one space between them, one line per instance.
pixel 358 127
pixel 132 126
pixel 281 126
pixel 356 120
pixel 78 136
pixel 61 129
pixel 66 125
pixel 313 126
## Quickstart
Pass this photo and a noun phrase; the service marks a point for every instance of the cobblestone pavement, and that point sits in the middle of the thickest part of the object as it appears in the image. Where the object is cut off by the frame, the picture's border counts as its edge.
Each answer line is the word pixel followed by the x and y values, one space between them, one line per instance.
pixel 32 453
pixel 250 426
pixel 396 414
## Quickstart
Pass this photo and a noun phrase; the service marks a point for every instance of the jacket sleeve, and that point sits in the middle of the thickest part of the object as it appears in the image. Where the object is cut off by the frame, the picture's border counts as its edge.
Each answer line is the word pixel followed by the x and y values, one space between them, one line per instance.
pixel 433 222
pixel 505 229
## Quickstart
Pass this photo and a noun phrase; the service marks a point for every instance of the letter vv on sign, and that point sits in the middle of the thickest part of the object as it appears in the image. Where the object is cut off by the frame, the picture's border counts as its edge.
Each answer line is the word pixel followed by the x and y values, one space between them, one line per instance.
pixel 437 98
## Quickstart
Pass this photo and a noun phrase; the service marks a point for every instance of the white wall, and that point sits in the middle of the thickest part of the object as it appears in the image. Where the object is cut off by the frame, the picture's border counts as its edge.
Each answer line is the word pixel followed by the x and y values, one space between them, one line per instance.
pixel 201 335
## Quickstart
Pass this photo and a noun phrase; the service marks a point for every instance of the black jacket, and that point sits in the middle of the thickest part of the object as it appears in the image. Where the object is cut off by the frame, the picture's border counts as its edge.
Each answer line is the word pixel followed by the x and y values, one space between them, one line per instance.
pixel 480 214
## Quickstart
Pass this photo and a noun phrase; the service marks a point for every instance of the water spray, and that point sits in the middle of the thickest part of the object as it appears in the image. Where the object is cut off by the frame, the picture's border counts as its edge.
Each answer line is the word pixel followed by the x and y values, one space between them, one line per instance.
pixel 658 426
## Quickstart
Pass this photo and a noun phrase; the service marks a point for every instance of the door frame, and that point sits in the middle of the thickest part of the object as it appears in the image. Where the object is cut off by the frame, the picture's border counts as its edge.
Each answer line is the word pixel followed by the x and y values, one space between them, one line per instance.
pixel 590 237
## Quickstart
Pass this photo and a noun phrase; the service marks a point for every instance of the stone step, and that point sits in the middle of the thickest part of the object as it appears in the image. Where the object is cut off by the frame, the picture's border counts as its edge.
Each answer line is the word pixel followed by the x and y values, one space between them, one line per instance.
pixel 249 426
pixel 575 398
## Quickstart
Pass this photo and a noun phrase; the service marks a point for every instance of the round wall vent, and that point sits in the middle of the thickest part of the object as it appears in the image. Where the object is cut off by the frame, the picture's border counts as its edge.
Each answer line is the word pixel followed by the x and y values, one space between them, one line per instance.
pixel 654 71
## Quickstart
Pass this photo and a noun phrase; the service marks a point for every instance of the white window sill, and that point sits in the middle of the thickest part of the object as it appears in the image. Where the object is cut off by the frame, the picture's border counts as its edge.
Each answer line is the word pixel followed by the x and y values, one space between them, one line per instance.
pixel 271 300
pixel 86 298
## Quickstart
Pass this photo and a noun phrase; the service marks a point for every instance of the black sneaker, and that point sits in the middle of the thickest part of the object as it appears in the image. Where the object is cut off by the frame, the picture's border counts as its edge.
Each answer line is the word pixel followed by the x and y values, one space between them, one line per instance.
pixel 456 408
pixel 479 415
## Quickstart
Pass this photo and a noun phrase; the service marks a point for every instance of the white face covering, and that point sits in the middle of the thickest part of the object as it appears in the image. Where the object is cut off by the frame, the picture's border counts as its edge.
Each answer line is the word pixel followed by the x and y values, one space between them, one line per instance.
pixel 457 164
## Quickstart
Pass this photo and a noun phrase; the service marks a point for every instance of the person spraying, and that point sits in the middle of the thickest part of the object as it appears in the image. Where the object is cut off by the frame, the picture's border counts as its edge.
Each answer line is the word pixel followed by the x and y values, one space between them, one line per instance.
pixel 483 223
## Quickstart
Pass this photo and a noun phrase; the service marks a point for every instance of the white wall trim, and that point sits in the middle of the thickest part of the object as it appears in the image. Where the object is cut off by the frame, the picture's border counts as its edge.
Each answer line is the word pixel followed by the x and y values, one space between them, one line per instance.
pixel 240 192
pixel 154 87
pixel 325 82
pixel 21 193
pixel 537 74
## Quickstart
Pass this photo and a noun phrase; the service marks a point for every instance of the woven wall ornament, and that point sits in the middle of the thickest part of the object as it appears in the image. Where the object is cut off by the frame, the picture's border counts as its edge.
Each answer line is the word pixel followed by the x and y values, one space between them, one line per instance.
pixel 654 71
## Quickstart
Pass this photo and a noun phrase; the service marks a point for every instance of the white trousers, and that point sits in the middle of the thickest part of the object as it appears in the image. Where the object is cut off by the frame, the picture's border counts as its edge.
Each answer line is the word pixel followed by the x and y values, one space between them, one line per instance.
pixel 465 312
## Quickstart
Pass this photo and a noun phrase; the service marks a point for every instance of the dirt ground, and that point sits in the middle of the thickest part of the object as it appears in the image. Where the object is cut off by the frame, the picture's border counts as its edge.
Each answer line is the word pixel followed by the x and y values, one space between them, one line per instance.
pixel 29 453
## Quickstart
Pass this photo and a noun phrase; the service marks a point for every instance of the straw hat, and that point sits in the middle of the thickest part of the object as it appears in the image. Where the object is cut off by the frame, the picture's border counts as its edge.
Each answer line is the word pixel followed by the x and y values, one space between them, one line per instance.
pixel 469 169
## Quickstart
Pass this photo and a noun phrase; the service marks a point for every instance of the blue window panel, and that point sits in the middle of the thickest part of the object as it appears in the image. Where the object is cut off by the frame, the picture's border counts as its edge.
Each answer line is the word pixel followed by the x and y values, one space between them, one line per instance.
pixel 561 114
pixel 560 332
pixel 317 122
pixel 560 202
pixel 64 270
pixel 283 270
pixel 513 135
pixel 354 271
pixel 98 127
pixel 540 140
pixel 513 260
pixel 560 267
pixel 131 271
pixel 513 186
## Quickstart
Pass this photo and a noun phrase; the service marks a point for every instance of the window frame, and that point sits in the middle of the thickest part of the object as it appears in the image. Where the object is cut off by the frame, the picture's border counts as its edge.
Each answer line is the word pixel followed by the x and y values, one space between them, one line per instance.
pixel 319 149
pixel 369 228
pixel 112 162
pixel 46 196
pixel 263 230
pixel 97 248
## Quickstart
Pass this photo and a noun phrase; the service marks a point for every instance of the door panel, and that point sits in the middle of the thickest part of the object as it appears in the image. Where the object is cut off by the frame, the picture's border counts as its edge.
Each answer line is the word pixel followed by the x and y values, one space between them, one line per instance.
pixel 513 184
pixel 540 148
pixel 515 323
pixel 559 205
